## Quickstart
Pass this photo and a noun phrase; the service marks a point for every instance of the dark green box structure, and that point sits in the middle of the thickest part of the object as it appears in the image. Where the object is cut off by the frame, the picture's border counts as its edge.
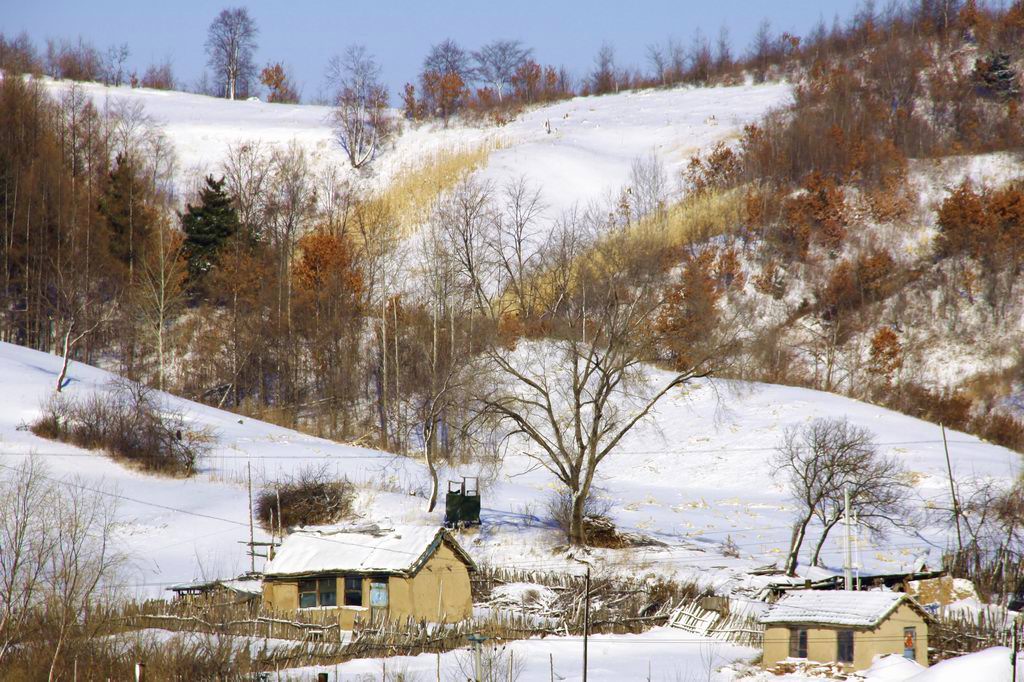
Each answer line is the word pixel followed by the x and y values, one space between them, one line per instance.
pixel 462 504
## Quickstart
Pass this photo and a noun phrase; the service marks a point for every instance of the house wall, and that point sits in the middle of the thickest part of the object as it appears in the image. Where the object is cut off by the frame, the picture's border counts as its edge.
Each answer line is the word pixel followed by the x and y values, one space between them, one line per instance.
pixel 439 591
pixel 822 641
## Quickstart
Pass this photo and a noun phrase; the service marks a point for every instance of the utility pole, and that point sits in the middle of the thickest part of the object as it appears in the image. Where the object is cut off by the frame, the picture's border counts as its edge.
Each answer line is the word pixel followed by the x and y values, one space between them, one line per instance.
pixel 952 492
pixel 586 624
pixel 1013 656
pixel 847 576
pixel 477 640
pixel 252 537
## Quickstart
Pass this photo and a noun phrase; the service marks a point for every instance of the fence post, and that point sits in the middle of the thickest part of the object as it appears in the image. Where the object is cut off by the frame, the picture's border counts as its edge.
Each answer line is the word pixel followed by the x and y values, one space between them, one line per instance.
pixel 140 672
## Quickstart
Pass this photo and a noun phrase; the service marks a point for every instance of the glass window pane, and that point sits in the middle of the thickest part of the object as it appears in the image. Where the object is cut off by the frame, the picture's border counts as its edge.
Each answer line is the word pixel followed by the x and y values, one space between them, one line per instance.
pixel 845 646
pixel 798 642
pixel 353 590
pixel 307 600
pixel 307 586
pixel 328 590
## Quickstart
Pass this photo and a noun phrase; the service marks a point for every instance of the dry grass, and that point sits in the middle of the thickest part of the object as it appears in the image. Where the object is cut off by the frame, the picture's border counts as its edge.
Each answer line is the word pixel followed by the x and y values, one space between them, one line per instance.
pixel 415 187
pixel 694 218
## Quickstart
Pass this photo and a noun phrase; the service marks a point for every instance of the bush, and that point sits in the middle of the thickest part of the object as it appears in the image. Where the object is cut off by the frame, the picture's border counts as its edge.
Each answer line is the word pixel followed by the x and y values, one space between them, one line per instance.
pixel 311 497
pixel 129 423
pixel 598 528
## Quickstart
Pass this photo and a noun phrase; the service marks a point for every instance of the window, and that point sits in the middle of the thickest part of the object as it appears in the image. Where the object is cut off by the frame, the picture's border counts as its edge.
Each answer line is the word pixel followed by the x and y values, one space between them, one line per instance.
pixel 322 592
pixel 844 645
pixel 798 642
pixel 353 590
pixel 307 594
pixel 328 591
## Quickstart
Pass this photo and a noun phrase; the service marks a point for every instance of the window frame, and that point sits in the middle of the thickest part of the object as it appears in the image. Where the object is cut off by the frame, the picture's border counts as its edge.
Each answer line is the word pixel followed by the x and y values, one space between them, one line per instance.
pixel 847 647
pixel 797 642
pixel 305 590
pixel 331 585
pixel 349 590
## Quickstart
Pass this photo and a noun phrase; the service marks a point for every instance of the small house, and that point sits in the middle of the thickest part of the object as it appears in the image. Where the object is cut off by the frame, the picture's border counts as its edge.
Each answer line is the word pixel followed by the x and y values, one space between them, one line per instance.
pixel 371 573
pixel 845 627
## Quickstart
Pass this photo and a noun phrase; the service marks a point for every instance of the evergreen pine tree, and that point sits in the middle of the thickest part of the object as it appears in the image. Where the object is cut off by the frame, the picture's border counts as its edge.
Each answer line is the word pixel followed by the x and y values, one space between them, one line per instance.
pixel 999 77
pixel 207 227
pixel 128 216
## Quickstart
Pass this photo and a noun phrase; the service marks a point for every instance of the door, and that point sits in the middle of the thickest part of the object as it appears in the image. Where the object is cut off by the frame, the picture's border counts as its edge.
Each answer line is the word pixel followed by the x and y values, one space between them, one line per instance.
pixel 378 599
pixel 910 643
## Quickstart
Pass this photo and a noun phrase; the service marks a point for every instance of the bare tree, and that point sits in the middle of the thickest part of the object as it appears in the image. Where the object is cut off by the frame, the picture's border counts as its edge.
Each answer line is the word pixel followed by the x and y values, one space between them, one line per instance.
pixel 723 51
pixel 361 120
pixel 659 62
pixel 230 42
pixel 572 398
pixel 649 184
pixel 113 64
pixel 603 78
pixel 247 173
pixel 762 50
pixel 24 495
pixel 823 459
pixel 448 58
pixel 161 289
pixel 59 561
pixel 498 60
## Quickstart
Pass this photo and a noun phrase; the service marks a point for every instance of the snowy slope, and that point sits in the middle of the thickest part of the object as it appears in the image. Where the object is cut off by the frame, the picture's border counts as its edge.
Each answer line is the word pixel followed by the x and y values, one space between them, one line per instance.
pixel 587 155
pixel 202 129
pixel 593 142
pixel 209 516
pixel 694 474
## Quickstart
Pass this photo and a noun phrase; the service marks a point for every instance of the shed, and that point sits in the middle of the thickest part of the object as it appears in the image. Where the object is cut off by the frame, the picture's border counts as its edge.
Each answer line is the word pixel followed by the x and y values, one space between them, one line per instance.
pixel 241 589
pixel 368 572
pixel 845 627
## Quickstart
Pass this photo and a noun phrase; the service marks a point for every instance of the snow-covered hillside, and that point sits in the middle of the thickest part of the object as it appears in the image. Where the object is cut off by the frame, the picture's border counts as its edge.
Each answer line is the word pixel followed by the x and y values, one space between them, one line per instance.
pixel 587 154
pixel 693 475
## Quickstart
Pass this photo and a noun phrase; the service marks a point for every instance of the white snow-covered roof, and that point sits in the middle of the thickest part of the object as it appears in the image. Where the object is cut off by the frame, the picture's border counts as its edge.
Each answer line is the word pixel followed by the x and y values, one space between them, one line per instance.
pixel 364 549
pixel 834 607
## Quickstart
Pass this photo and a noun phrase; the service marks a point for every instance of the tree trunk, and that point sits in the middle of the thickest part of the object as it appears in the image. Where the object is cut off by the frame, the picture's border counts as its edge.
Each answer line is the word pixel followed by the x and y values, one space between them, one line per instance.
pixel 428 457
pixel 794 549
pixel 815 561
pixel 67 354
pixel 577 533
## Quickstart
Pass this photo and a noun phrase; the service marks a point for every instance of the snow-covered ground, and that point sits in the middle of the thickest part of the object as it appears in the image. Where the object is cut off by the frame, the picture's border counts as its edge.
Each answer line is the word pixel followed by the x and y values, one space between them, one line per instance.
pixel 661 654
pixel 587 155
pixel 593 141
pixel 693 475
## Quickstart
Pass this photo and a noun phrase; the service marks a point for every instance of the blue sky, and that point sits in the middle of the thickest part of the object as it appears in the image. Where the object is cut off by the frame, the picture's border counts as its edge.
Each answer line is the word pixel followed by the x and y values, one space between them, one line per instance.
pixel 305 33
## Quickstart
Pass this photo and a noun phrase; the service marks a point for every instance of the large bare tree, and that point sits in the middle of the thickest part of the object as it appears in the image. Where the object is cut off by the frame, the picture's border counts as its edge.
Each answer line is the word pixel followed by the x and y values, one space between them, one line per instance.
pixel 820 461
pixel 230 43
pixel 574 396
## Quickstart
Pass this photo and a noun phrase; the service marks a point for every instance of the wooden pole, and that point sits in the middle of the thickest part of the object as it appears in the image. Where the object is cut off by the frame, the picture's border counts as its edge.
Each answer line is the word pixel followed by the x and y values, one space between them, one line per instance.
pixel 512 660
pixel 252 537
pixel 551 665
pixel 1013 656
pixel 586 624
pixel 952 491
